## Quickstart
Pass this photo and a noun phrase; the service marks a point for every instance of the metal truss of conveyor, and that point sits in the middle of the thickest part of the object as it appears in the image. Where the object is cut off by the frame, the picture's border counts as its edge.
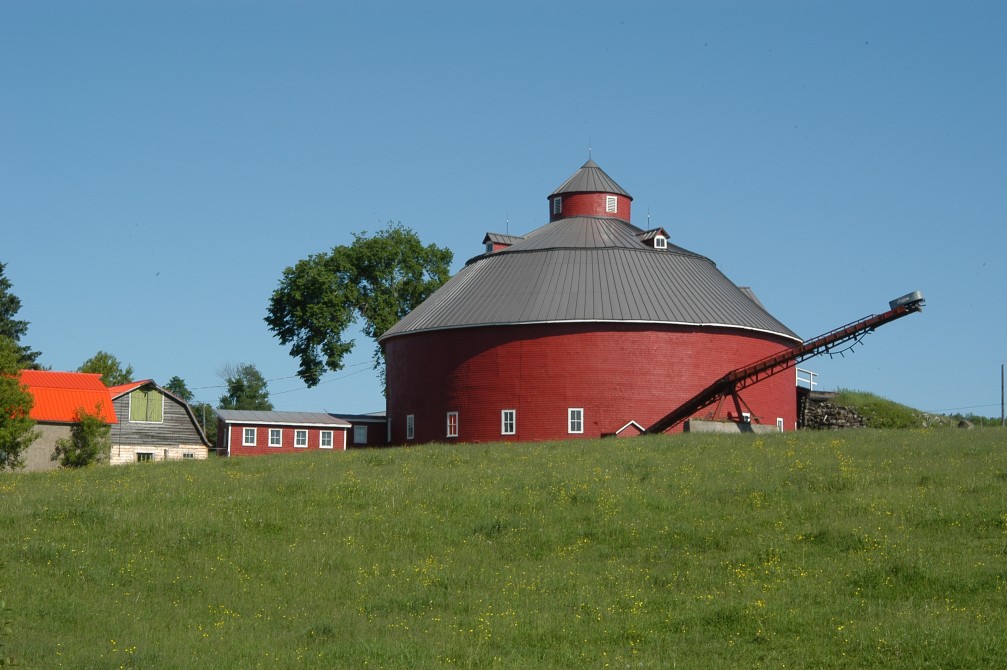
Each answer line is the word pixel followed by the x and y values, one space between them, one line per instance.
pixel 742 377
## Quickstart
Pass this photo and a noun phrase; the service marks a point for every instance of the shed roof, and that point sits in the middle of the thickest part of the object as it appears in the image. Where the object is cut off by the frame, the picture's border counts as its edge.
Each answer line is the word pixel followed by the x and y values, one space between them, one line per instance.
pixel 273 418
pixel 58 395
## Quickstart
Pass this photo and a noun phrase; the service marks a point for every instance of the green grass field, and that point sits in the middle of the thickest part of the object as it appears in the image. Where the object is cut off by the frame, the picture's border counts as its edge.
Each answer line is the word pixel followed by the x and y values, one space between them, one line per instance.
pixel 801 550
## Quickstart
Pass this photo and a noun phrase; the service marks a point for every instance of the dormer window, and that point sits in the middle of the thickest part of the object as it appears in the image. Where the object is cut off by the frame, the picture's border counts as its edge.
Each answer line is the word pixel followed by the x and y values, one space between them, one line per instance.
pixel 557 205
pixel 489 247
pixel 660 242
pixel 611 204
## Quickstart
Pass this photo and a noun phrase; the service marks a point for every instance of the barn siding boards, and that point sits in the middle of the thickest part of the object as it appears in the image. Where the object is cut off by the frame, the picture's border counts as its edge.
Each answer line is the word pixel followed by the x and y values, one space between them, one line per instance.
pixel 176 427
pixel 622 373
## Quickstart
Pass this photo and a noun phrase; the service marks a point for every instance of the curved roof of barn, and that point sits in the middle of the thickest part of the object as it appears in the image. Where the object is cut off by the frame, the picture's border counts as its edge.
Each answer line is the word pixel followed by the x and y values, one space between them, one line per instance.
pixel 589 269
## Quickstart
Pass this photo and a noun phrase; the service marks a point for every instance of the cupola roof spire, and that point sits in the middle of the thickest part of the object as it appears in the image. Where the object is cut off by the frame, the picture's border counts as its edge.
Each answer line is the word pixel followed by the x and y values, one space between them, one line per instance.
pixel 590 179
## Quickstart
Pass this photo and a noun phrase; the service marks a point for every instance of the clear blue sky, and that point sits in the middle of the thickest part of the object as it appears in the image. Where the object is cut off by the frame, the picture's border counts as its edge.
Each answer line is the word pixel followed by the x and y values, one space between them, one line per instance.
pixel 162 162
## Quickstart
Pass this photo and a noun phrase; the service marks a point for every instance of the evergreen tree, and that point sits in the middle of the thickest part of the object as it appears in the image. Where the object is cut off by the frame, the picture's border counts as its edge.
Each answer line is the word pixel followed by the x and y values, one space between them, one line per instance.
pixel 11 327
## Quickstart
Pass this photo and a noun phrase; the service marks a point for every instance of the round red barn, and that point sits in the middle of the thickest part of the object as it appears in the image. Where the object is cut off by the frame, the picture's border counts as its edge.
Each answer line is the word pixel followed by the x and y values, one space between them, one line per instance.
pixel 584 327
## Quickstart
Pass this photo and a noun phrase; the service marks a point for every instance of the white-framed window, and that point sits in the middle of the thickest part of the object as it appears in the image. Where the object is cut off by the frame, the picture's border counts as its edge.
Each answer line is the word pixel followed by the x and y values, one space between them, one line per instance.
pixel 275 437
pixel 410 426
pixel 660 242
pixel 186 455
pixel 611 203
pixel 300 438
pixel 248 437
pixel 144 456
pixel 779 423
pixel 325 439
pixel 489 247
pixel 575 420
pixel 557 205
pixel 360 435
pixel 508 422
pixel 452 430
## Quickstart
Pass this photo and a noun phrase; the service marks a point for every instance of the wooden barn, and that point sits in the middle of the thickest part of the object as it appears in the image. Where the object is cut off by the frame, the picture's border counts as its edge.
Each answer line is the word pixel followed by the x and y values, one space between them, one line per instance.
pixel 154 425
pixel 587 326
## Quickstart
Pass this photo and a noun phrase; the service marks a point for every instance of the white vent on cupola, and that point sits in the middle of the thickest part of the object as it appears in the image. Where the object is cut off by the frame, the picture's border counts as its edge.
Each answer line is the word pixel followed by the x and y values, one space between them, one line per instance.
pixel 557 205
pixel 611 203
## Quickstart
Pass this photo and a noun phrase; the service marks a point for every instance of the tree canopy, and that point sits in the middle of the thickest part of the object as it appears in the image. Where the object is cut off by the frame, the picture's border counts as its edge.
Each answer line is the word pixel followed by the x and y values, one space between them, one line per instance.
pixel 246 388
pixel 108 366
pixel 11 327
pixel 17 428
pixel 177 386
pixel 89 441
pixel 377 279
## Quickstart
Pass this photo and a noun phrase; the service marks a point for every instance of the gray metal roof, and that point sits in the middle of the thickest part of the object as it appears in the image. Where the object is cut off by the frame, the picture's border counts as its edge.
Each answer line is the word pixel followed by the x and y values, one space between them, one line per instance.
pixel 589 269
pixel 597 284
pixel 501 238
pixel 284 418
pixel 590 179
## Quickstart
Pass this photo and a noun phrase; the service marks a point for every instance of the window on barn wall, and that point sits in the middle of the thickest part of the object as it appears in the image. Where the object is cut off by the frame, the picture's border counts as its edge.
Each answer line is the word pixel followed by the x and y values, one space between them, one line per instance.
pixel 575 420
pixel 611 203
pixel 360 435
pixel 275 437
pixel 300 438
pixel 452 424
pixel 410 426
pixel 508 422
pixel 144 456
pixel 325 439
pixel 146 406
pixel 248 437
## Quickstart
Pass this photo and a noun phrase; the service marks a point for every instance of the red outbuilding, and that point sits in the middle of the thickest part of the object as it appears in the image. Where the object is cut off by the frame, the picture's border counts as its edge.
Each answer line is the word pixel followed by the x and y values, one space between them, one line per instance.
pixel 584 327
pixel 257 433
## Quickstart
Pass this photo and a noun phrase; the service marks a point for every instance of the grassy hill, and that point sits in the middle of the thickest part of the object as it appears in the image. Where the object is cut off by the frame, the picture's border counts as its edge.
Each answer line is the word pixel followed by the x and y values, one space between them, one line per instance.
pixel 883 413
pixel 843 549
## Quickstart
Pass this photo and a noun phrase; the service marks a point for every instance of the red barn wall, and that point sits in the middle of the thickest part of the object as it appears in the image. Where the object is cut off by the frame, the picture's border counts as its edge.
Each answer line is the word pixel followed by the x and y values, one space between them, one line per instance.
pixel 235 434
pixel 591 204
pixel 616 372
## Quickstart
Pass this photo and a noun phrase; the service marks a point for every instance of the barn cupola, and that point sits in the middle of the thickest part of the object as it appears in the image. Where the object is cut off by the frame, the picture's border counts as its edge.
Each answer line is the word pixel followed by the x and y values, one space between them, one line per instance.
pixel 590 192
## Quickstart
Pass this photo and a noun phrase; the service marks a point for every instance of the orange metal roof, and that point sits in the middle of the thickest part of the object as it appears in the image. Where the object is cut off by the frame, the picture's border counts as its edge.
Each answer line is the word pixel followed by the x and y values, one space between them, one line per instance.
pixel 58 395
pixel 121 389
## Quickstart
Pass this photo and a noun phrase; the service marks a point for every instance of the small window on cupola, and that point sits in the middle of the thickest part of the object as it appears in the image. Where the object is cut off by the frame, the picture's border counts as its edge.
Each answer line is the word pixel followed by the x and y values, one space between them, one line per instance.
pixel 557 205
pixel 611 204
pixel 660 242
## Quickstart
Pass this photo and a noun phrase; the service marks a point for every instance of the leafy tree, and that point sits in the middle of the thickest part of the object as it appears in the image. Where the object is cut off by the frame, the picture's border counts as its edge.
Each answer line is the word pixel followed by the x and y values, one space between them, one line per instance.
pixel 13 328
pixel 246 388
pixel 88 443
pixel 203 411
pixel 109 367
pixel 17 428
pixel 378 279
pixel 177 386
